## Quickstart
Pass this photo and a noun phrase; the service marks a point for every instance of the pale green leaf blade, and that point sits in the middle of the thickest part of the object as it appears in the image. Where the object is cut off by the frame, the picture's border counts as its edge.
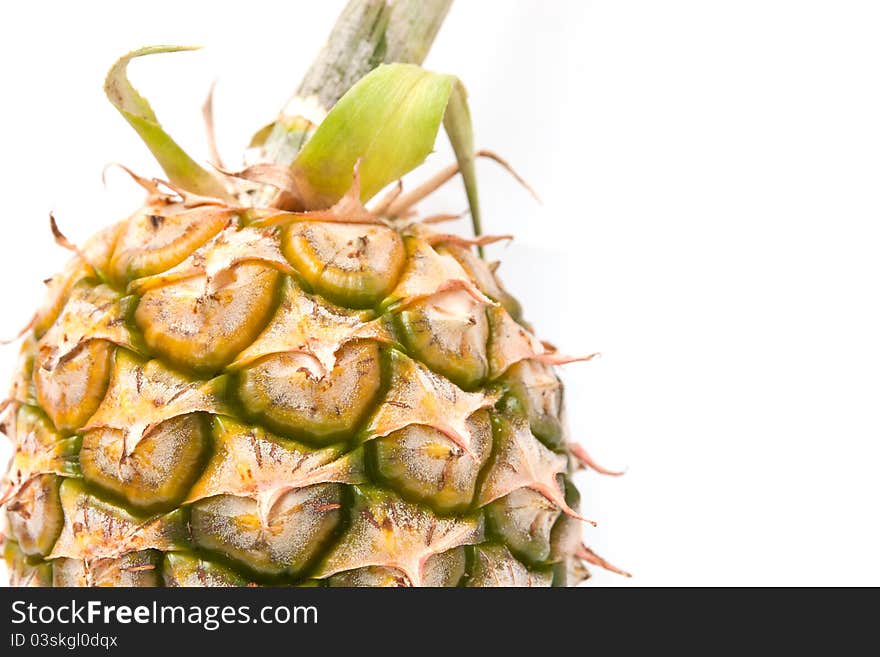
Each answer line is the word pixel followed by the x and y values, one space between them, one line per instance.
pixel 389 121
pixel 180 168
pixel 457 122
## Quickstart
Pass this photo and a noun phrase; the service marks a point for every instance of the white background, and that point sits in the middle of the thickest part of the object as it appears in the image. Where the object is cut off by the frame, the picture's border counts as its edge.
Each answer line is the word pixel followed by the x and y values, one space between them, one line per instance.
pixel 710 180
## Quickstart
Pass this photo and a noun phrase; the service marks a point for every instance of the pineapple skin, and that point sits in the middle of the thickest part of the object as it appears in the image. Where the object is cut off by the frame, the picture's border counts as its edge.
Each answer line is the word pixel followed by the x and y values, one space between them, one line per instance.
pixel 203 401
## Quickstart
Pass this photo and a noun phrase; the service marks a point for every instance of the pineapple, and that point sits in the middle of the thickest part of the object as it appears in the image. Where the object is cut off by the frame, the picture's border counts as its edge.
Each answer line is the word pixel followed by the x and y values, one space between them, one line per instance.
pixel 224 390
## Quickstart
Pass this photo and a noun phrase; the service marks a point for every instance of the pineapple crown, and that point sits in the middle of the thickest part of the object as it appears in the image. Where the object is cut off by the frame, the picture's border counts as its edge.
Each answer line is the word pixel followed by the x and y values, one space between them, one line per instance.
pixel 380 129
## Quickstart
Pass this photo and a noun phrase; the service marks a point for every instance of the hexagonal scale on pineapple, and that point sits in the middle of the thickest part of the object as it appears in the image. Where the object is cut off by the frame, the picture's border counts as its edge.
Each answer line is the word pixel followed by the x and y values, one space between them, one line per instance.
pixel 93 255
pixel 158 472
pixel 214 261
pixel 568 548
pixel 92 312
pixel 523 519
pixel 135 569
pixel 444 569
pixel 448 331
pixel 31 422
pixel 39 449
pixel 73 390
pixel 57 292
pixel 494 566
pixel 24 571
pixel 439 570
pixel 566 541
pixel 285 540
pixel 484 274
pixel 291 393
pixel 35 516
pixel 97 529
pixel 566 537
pixel 202 329
pixel 355 265
pixel 250 462
pixel 73 358
pixel 537 388
pixel 144 394
pixel 158 238
pixel 570 572
pixel 22 389
pixel 416 395
pixel 428 272
pixel 511 343
pixel 519 460
pixel 369 577
pixel 423 464
pixel 386 531
pixel 182 569
pixel 306 324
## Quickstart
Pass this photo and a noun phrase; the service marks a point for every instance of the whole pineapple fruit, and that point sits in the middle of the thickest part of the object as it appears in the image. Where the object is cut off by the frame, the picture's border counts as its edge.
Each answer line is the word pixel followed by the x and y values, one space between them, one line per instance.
pixel 231 388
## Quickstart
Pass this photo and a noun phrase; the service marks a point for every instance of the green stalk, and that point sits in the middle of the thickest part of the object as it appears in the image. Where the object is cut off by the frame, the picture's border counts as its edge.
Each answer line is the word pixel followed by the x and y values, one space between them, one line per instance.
pixel 367 33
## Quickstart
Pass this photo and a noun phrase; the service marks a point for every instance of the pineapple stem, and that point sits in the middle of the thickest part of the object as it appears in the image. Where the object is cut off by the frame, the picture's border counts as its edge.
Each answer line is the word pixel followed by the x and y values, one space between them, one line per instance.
pixel 366 34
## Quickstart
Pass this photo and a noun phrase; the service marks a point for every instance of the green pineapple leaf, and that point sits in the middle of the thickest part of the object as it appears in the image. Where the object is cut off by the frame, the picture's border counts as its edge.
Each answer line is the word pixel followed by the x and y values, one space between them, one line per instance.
pixel 389 121
pixel 457 123
pixel 181 169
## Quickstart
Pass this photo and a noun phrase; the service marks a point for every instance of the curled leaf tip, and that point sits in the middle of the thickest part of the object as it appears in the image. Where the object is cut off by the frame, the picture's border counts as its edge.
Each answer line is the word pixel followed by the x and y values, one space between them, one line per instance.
pixel 210 133
pixel 443 218
pixel 585 460
pixel 181 169
pixel 504 164
pixel 59 237
pixel 62 241
pixel 585 553
pixel 458 240
pixel 151 186
pixel 21 333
